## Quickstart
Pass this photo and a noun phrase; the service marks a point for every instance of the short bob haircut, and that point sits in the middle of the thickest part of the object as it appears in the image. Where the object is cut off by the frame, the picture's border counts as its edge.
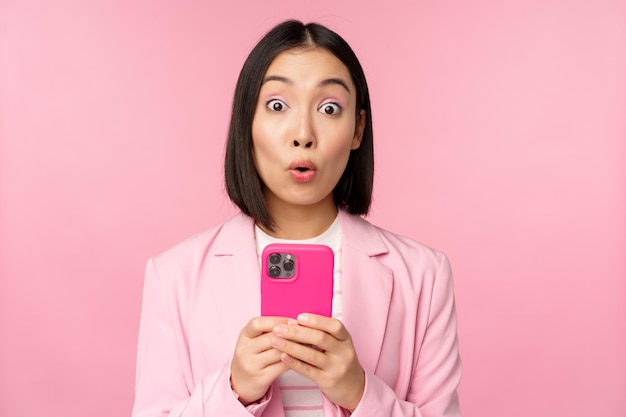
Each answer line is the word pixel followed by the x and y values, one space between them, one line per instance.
pixel 353 192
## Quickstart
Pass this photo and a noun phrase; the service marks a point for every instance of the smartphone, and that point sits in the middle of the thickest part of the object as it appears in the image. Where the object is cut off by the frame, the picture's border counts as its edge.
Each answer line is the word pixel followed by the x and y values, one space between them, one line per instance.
pixel 296 278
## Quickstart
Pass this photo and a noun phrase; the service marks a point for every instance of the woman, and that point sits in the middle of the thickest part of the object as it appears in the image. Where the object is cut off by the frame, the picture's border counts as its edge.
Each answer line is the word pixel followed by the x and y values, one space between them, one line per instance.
pixel 299 165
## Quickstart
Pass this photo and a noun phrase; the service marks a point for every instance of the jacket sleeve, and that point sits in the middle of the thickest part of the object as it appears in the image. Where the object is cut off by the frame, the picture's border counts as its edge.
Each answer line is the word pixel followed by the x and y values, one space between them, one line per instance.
pixel 436 370
pixel 164 386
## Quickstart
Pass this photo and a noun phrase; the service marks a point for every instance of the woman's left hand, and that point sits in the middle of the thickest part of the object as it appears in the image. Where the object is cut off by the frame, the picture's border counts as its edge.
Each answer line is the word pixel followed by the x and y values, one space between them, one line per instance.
pixel 320 348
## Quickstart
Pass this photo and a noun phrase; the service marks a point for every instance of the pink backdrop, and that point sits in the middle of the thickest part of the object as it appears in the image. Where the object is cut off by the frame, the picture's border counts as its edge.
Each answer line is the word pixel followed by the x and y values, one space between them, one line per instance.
pixel 501 138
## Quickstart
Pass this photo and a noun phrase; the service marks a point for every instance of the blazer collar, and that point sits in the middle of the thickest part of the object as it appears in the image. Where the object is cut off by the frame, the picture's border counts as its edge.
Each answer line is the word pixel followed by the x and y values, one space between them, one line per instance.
pixel 237 235
pixel 360 235
pixel 235 276
pixel 367 283
pixel 367 286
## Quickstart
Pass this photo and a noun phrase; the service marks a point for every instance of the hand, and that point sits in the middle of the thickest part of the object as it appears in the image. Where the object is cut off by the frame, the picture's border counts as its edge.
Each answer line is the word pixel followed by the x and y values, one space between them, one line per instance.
pixel 255 363
pixel 320 348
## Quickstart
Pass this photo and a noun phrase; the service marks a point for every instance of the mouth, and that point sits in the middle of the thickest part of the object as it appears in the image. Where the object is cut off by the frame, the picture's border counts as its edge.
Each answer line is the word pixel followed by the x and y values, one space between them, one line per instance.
pixel 302 166
pixel 303 171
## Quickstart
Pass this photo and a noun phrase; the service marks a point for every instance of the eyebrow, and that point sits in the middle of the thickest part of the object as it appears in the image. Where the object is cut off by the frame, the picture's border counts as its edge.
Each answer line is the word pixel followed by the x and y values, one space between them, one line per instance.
pixel 324 83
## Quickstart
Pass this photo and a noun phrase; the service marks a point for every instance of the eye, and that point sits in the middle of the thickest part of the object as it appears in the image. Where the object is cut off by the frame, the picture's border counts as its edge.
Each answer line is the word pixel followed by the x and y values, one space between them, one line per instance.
pixel 276 105
pixel 331 109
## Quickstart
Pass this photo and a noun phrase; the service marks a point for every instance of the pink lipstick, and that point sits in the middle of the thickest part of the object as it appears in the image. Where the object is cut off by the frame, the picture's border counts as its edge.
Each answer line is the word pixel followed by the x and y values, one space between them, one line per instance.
pixel 302 171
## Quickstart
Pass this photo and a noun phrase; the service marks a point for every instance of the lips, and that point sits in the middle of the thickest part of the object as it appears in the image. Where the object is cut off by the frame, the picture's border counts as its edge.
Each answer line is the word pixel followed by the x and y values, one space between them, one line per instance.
pixel 302 171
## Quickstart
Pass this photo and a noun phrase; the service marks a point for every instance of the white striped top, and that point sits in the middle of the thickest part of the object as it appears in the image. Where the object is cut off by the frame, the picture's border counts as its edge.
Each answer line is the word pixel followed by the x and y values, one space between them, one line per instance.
pixel 300 395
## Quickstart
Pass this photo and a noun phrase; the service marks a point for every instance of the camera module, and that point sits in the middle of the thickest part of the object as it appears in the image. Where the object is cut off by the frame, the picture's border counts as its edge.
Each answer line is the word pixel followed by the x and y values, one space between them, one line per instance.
pixel 281 265
pixel 288 265
pixel 274 271
pixel 275 258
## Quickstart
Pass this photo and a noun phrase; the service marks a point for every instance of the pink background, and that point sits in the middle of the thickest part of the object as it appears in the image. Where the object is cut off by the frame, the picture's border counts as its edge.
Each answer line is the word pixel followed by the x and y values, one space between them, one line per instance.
pixel 501 138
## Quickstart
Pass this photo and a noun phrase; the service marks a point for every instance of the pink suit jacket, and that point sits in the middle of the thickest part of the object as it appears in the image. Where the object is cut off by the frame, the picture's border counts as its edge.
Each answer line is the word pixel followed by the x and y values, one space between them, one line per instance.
pixel 398 305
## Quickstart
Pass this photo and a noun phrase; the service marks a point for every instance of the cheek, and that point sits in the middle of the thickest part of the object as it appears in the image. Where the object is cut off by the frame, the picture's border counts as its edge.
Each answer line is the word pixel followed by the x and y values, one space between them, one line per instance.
pixel 263 148
pixel 264 129
pixel 343 138
pixel 259 137
pixel 339 153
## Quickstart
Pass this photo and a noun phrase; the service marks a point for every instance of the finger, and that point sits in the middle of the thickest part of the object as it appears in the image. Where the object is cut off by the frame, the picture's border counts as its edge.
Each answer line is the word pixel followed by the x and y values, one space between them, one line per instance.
pixel 305 369
pixel 305 336
pixel 303 353
pixel 327 324
pixel 261 344
pixel 260 325
pixel 257 363
pixel 276 369
pixel 268 358
pixel 253 346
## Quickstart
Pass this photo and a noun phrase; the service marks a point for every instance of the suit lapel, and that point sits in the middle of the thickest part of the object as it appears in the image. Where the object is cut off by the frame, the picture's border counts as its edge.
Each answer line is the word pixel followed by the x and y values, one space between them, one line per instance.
pixel 367 287
pixel 236 283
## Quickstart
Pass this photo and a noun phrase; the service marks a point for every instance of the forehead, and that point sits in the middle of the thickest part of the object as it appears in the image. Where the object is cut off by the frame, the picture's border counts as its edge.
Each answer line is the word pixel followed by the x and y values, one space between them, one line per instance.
pixel 309 64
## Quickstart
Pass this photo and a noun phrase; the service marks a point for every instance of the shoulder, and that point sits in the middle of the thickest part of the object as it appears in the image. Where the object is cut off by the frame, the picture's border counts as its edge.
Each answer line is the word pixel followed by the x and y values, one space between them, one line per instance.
pixel 415 267
pixel 410 248
pixel 390 245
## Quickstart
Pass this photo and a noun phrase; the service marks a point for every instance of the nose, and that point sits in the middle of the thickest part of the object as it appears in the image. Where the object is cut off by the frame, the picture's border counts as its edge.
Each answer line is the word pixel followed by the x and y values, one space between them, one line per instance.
pixel 305 143
pixel 304 133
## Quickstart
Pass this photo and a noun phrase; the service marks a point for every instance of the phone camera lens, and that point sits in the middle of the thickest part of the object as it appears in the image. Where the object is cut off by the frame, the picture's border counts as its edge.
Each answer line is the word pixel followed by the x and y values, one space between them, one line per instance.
pixel 288 265
pixel 274 258
pixel 274 271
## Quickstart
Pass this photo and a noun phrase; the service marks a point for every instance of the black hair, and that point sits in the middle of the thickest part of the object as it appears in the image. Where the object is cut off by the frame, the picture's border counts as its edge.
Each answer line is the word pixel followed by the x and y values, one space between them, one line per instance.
pixel 353 192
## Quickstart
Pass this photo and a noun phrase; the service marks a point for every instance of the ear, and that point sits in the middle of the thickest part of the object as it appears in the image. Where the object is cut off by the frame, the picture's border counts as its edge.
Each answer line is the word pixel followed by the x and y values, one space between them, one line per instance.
pixel 358 130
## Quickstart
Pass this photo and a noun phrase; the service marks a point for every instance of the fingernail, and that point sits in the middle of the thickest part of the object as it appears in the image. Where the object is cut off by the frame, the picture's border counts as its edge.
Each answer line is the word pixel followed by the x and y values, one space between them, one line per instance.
pixel 278 342
pixel 303 318
pixel 280 330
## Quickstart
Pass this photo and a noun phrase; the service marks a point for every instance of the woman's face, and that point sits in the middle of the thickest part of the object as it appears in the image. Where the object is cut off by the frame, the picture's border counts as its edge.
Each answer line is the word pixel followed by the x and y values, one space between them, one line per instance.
pixel 304 127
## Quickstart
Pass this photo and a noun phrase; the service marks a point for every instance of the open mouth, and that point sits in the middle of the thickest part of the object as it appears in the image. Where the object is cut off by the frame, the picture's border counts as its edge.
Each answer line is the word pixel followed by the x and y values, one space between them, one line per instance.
pixel 302 166
pixel 303 170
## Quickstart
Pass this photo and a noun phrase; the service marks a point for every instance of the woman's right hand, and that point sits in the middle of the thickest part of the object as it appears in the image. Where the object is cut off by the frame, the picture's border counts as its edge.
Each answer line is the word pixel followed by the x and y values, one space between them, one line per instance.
pixel 256 364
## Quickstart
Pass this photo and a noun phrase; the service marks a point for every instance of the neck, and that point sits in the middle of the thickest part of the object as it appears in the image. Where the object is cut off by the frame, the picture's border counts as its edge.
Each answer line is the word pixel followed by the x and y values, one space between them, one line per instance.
pixel 301 222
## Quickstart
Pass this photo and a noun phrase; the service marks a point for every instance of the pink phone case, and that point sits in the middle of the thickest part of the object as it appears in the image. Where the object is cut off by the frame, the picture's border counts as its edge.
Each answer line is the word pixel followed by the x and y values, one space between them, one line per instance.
pixel 307 288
